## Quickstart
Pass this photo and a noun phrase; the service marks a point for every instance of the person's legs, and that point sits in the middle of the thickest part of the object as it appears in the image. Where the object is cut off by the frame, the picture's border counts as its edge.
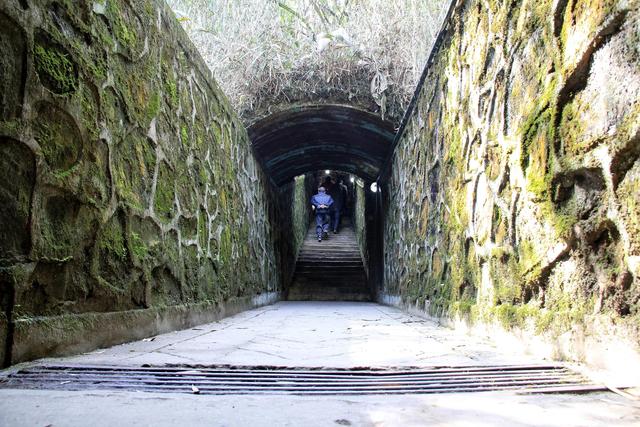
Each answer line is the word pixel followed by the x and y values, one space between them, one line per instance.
pixel 336 220
pixel 325 224
pixel 319 224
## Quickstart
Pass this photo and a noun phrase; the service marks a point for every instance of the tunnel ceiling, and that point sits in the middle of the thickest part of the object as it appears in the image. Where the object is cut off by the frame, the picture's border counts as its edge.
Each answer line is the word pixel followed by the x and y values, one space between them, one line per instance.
pixel 310 138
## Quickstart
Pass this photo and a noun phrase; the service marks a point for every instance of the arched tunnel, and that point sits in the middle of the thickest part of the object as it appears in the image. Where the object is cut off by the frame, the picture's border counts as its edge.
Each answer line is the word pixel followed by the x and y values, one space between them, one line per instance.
pixel 306 139
pixel 317 137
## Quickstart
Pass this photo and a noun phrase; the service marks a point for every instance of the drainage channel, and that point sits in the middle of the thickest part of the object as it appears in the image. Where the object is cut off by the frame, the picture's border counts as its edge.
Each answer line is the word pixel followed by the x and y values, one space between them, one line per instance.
pixel 301 381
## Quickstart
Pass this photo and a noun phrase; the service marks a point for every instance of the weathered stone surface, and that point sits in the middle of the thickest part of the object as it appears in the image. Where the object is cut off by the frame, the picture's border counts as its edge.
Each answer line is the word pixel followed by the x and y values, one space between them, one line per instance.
pixel 17 180
pixel 12 68
pixel 531 110
pixel 4 329
pixel 126 180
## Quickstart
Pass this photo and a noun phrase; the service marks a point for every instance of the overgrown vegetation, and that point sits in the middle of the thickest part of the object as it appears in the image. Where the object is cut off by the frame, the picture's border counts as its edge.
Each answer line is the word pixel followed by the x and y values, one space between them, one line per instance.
pixel 269 52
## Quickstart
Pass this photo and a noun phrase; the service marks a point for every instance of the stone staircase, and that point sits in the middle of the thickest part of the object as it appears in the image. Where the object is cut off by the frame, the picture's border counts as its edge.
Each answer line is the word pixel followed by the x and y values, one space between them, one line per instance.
pixel 330 270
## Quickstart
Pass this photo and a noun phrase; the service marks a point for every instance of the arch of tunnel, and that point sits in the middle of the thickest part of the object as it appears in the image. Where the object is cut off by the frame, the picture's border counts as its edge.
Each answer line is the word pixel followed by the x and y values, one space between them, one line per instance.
pixel 319 137
pixel 134 201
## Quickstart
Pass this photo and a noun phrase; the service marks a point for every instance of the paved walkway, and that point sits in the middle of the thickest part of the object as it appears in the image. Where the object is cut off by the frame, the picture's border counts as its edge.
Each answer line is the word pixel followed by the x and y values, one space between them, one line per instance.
pixel 308 334
pixel 331 334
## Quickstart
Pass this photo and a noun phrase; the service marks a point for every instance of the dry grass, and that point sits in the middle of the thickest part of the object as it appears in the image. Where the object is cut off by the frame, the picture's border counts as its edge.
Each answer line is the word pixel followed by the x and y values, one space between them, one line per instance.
pixel 267 53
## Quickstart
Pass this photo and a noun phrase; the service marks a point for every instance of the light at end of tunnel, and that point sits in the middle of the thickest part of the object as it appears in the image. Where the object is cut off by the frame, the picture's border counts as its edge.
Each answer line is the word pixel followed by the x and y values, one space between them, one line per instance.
pixel 328 172
pixel 374 187
pixel 352 179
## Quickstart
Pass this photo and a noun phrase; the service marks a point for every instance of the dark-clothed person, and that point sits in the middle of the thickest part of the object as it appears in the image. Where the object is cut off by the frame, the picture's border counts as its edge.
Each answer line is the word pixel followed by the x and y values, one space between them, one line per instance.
pixel 338 193
pixel 327 183
pixel 321 203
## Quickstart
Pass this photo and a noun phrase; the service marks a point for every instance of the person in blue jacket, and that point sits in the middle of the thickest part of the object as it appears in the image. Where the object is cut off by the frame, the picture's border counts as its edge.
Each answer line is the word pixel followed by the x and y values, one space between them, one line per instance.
pixel 321 204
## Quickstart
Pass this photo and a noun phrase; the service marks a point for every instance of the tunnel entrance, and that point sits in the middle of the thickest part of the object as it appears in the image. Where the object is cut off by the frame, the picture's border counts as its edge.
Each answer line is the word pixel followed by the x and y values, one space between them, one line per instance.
pixel 347 144
pixel 331 265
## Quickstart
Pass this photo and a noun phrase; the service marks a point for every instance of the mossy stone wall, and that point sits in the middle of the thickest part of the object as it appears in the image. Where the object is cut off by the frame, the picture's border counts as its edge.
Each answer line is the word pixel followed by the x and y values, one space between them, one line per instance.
pixel 514 191
pixel 126 180
pixel 360 219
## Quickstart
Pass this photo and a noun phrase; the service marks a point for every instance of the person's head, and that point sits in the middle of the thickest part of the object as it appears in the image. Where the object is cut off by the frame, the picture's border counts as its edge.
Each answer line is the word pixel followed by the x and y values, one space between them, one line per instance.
pixel 321 189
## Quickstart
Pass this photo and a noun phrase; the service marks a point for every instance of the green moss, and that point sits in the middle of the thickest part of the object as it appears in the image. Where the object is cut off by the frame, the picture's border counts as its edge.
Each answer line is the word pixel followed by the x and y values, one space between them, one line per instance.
pixel 66 173
pixel 154 106
pixel 563 311
pixel 122 30
pixel 515 316
pixel 134 165
pixel 57 153
pixel 533 129
pixel 113 241
pixel 225 246
pixel 56 65
pixel 184 135
pixel 462 308
pixel 595 12
pixel 455 145
pixel 506 275
pixel 165 197
pixel 171 90
pixel 202 173
pixel 529 260
pixel 138 247
pixel 125 189
pixel 12 127
pixel 203 234
pixel 538 184
pixel 89 114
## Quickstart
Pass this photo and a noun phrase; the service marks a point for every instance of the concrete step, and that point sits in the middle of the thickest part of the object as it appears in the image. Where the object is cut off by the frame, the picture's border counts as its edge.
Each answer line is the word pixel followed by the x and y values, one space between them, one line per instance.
pixel 328 284
pixel 330 270
pixel 328 248
pixel 329 293
pixel 328 275
pixel 318 256
pixel 329 256
pixel 326 296
pixel 331 275
pixel 354 266
pixel 329 262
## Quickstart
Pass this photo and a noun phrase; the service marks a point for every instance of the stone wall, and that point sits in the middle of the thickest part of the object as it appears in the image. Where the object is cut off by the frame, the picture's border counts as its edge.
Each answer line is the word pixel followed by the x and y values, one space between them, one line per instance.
pixel 514 196
pixel 360 219
pixel 127 183
pixel 296 213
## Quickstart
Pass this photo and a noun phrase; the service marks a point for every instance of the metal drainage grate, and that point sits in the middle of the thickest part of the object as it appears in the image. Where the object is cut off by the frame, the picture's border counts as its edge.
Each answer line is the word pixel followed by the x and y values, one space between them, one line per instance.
pixel 302 381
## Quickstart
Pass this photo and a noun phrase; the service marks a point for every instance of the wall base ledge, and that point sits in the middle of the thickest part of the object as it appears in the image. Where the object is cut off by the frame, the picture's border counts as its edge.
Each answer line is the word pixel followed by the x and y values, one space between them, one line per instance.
pixel 78 333
pixel 611 356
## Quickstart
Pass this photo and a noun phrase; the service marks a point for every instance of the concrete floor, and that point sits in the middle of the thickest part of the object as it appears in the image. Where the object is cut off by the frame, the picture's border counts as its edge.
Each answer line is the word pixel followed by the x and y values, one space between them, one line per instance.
pixel 312 334
pixel 334 334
